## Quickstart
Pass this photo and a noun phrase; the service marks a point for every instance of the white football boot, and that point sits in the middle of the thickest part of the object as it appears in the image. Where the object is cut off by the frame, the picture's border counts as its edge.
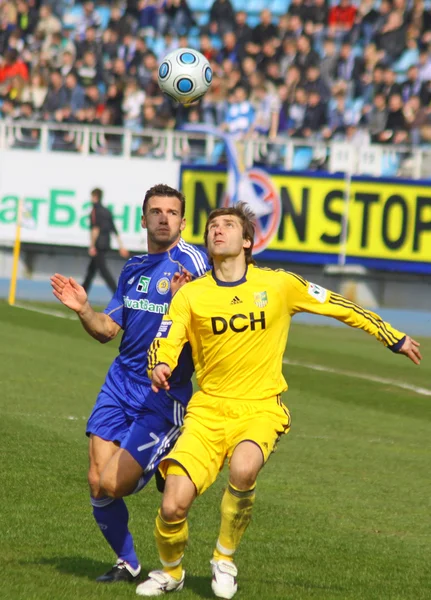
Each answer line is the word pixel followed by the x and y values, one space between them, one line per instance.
pixel 160 583
pixel 224 583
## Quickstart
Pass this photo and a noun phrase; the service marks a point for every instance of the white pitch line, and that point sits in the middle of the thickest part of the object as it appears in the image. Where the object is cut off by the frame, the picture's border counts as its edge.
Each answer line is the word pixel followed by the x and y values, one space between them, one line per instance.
pixel 399 384
pixel 46 311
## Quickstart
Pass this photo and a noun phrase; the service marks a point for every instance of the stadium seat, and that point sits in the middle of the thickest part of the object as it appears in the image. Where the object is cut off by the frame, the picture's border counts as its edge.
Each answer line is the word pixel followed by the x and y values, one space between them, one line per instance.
pixel 280 7
pixel 104 13
pixel 407 59
pixel 302 157
pixel 72 16
pixel 390 164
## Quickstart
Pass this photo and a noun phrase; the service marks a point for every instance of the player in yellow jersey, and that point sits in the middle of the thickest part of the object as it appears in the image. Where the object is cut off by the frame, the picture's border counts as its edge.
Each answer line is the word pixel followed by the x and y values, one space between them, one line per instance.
pixel 236 319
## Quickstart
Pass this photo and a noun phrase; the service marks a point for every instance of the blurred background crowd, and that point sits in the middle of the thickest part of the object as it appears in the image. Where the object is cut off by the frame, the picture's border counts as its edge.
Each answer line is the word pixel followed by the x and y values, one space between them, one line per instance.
pixel 313 69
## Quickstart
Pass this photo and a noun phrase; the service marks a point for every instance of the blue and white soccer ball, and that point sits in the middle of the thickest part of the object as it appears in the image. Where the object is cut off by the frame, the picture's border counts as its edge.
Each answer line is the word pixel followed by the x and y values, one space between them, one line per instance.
pixel 185 75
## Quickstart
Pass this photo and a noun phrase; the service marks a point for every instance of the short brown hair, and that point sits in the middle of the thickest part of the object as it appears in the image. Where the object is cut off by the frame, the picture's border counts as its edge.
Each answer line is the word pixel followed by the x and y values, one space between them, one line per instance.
pixel 247 218
pixel 98 193
pixel 164 190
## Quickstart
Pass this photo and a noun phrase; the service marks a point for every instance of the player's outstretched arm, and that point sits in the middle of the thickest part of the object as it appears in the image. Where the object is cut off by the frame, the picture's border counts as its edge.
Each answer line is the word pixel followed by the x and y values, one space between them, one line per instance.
pixel 410 348
pixel 73 295
pixel 180 279
pixel 160 376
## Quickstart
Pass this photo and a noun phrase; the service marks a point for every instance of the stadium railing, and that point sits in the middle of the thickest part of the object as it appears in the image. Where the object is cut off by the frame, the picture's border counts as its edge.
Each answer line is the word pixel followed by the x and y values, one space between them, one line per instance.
pixel 203 149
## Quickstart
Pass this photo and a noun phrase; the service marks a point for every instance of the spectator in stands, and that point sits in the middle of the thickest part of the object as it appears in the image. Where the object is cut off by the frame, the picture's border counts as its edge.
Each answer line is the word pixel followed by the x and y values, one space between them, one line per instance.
pixel 329 62
pixel 416 118
pixel 339 118
pixel 288 54
pixel 121 23
pixel 243 32
pixel 240 113
pixel 90 43
pixel 314 83
pixel 26 18
pixel 89 18
pixel 315 115
pixel 375 116
pixel 48 23
pixel 292 81
pixel 63 140
pixel 391 38
pixel 412 85
pixel 305 56
pixel 425 65
pixel 35 92
pixel 74 92
pixel 396 126
pixel 148 16
pixel 265 29
pixel 390 83
pixel 206 47
pixel 294 28
pixel 114 101
pixel 267 112
pixel 89 72
pixel 222 17
pixel 315 20
pixel 144 71
pixel 67 63
pixel 341 19
pixel 229 50
pixel 56 97
pixel 176 18
pixel 296 114
pixel 133 102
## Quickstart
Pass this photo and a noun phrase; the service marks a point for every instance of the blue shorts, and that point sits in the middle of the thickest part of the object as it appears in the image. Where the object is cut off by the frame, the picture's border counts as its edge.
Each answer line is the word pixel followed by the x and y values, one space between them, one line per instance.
pixel 129 412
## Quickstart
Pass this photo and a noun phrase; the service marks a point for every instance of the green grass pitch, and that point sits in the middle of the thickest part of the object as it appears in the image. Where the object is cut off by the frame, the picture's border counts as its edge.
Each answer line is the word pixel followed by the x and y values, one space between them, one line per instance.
pixel 343 506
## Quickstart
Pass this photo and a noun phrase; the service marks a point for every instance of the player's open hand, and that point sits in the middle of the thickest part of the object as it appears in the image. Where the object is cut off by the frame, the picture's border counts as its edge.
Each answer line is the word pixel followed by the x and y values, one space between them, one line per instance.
pixel 160 376
pixel 69 292
pixel 180 279
pixel 410 348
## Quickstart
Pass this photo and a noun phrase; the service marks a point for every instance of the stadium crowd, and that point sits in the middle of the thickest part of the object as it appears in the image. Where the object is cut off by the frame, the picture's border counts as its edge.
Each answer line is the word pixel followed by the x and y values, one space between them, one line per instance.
pixel 315 71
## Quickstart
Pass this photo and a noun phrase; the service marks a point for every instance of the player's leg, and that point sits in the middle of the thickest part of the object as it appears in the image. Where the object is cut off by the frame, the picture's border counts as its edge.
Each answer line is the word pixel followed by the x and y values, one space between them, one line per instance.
pixel 105 272
pixel 251 441
pixel 107 426
pixel 89 276
pixel 191 467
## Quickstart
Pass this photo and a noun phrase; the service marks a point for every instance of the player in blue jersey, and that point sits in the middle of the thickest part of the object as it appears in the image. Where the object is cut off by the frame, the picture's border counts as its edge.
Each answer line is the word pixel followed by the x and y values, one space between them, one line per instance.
pixel 131 428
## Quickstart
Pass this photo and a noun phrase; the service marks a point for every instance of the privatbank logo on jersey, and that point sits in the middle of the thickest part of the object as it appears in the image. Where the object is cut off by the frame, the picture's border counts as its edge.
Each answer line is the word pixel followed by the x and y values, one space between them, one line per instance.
pixel 145 305
pixel 143 284
pixel 261 299
pixel 163 285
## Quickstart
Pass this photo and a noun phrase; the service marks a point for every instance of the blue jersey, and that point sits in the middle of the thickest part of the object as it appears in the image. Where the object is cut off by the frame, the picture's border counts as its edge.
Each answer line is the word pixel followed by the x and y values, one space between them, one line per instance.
pixel 142 298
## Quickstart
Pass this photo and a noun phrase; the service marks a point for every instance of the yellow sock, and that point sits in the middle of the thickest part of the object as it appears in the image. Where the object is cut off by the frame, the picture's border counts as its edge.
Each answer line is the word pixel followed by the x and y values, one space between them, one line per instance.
pixel 236 509
pixel 171 539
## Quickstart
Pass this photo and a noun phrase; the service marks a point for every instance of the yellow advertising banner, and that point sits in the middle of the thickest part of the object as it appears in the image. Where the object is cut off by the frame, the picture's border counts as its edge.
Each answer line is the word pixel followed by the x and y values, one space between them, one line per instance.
pixel 390 221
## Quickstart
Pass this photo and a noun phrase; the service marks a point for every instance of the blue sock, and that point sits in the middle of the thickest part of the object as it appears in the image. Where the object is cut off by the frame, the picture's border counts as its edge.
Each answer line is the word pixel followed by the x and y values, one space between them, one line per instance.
pixel 112 517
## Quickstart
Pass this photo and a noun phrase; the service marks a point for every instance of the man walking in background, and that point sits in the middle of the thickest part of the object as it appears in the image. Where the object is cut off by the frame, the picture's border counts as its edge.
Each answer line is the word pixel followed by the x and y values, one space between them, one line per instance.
pixel 101 226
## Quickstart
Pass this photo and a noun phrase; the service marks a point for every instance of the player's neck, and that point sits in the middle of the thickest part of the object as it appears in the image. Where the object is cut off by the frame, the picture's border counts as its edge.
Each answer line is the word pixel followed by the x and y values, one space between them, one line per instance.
pixel 155 248
pixel 229 269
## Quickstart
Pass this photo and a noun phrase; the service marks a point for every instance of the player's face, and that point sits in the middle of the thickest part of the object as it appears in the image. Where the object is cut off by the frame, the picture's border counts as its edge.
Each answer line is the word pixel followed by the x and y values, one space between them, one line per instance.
pixel 225 237
pixel 163 222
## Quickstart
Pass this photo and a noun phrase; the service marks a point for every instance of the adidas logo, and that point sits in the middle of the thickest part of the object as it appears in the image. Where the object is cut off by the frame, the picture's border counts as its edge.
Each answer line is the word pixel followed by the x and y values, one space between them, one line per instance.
pixel 236 300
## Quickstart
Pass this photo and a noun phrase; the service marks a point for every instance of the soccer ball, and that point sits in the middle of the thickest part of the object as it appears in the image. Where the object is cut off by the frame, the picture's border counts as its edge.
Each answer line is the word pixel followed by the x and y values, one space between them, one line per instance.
pixel 185 75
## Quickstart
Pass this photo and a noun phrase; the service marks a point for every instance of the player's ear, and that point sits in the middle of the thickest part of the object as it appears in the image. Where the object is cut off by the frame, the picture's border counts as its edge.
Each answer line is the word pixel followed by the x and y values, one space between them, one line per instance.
pixel 183 224
pixel 246 244
pixel 143 222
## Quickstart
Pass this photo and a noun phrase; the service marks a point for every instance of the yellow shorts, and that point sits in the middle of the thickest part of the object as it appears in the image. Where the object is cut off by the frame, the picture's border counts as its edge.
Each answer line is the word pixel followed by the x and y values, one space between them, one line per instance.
pixel 213 427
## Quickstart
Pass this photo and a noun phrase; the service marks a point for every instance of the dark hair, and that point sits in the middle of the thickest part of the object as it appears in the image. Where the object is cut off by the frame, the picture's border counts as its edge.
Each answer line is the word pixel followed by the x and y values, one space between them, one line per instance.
pixel 164 190
pixel 247 218
pixel 98 193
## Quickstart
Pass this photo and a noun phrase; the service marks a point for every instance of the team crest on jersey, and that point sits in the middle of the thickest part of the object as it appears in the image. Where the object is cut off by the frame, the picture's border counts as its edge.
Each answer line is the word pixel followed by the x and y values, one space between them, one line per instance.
pixel 317 292
pixel 260 299
pixel 163 285
pixel 143 284
pixel 131 280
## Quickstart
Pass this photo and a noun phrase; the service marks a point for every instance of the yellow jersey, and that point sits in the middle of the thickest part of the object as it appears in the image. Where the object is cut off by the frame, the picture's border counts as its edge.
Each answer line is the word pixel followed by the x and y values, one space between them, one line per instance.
pixel 238 331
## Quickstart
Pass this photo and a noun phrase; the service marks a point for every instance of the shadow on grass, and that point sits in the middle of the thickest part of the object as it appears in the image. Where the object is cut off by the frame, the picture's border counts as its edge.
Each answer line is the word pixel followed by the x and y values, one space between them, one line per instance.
pixel 81 566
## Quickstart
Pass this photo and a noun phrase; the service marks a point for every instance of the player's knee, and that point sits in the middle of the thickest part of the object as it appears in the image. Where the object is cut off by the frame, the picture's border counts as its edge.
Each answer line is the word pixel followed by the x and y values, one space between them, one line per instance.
pixel 93 478
pixel 110 486
pixel 173 510
pixel 243 476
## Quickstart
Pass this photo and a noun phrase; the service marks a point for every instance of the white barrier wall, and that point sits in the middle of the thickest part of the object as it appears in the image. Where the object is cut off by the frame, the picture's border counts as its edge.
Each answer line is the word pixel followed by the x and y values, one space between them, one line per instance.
pixel 56 189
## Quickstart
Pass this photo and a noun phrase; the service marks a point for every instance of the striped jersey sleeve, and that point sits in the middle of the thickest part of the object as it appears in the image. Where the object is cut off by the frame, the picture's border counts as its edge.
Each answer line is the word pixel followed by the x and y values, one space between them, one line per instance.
pixel 193 259
pixel 305 296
